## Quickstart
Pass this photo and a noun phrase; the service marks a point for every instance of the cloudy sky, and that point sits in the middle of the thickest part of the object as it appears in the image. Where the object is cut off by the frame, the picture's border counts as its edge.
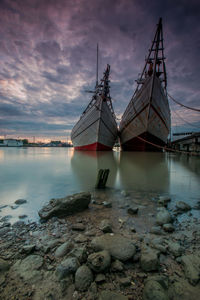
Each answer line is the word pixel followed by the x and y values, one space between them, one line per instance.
pixel 48 57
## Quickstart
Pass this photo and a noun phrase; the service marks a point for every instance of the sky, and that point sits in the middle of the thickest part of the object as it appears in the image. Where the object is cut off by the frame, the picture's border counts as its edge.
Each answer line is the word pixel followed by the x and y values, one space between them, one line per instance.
pixel 48 59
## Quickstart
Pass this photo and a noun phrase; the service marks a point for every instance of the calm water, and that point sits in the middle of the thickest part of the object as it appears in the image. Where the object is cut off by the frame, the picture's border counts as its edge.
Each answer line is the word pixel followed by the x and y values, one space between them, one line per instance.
pixel 39 174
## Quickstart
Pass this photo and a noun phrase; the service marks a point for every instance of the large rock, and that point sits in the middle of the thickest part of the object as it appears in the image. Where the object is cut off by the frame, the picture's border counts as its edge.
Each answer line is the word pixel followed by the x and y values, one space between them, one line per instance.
pixel 191 264
pixel 163 217
pixel 63 249
pixel 67 267
pixel 109 295
pixel 65 206
pixel 4 265
pixel 28 268
pixel 182 207
pixel 149 259
pixel 153 290
pixel 99 261
pixel 83 278
pixel 175 248
pixel 118 246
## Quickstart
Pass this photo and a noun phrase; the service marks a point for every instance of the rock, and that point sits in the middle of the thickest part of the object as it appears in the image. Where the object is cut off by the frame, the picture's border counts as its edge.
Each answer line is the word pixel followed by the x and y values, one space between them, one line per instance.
pixel 149 260
pixel 83 278
pixel 22 216
pixel 107 204
pixel 175 248
pixel 182 206
pixel 154 291
pixel 28 268
pixel 4 230
pixel 4 265
pixel 118 246
pixel 163 217
pixel 132 210
pixel 168 227
pixel 109 295
pixel 49 244
pixel 65 206
pixel 124 281
pixel 100 278
pixel 191 264
pixel 99 261
pixel 164 200
pixel 80 254
pixel 156 230
pixel 20 201
pixel 124 193
pixel 117 266
pixel 80 238
pixel 63 249
pixel 28 249
pixel 105 226
pixel 67 267
pixel 78 227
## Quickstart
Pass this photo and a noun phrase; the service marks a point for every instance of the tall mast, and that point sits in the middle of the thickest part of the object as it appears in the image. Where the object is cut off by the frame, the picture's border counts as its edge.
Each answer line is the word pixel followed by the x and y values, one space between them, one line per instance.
pixel 97 67
pixel 156 59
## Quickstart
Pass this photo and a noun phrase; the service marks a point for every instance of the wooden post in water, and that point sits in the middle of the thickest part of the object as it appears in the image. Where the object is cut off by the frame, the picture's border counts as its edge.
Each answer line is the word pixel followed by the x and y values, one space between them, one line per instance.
pixel 102 178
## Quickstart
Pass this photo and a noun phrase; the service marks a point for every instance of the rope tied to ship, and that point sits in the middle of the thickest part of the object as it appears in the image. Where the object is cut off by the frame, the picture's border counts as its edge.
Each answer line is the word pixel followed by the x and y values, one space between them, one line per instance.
pixel 166 148
pixel 177 102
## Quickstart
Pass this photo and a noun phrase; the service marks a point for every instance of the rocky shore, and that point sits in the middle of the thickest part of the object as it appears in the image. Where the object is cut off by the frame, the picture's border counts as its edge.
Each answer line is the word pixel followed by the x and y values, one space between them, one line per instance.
pixel 89 246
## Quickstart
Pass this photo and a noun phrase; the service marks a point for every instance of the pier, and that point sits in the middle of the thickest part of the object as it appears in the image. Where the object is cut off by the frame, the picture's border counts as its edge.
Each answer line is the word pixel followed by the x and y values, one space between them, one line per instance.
pixel 190 143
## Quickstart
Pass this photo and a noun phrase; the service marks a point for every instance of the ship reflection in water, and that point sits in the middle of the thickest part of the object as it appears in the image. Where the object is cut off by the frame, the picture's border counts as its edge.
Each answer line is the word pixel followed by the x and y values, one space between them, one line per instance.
pixel 145 171
pixel 41 174
pixel 85 165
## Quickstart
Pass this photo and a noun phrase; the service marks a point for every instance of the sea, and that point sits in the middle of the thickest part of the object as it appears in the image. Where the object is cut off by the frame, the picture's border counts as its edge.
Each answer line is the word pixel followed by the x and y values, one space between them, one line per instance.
pixel 40 174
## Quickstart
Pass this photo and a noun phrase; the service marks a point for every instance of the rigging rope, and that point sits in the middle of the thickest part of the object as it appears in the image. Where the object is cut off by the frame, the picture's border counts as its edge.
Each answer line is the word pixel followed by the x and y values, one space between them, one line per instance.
pixel 185 120
pixel 188 107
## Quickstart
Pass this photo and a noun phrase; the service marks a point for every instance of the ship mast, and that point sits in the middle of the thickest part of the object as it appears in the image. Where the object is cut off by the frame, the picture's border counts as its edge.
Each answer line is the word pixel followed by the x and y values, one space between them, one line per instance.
pixel 155 62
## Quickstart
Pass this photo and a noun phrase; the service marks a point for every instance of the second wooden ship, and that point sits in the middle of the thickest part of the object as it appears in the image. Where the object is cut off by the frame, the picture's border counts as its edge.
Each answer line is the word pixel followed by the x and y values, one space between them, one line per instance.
pixel 146 120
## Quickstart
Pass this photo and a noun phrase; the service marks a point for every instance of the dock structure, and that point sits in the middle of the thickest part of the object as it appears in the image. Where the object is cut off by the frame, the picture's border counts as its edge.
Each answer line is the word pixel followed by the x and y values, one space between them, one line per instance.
pixel 190 143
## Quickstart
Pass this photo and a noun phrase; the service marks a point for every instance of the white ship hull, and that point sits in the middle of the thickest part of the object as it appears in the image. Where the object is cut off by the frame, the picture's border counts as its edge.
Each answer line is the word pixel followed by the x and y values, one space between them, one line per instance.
pixel 96 129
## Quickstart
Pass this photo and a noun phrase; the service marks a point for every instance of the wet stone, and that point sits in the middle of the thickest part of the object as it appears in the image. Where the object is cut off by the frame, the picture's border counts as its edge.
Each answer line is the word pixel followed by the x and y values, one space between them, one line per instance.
pixel 154 291
pixel 83 278
pixel 149 260
pixel 117 266
pixel 78 227
pixel 163 217
pixel 67 267
pixel 107 204
pixel 132 210
pixel 105 226
pixel 20 201
pixel 118 246
pixel 168 227
pixel 99 261
pixel 63 249
pixel 182 206
pixel 100 278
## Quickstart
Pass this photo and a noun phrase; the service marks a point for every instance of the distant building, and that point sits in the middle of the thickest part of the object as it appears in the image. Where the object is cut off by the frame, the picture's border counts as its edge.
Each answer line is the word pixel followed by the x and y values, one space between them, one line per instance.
pixel 11 143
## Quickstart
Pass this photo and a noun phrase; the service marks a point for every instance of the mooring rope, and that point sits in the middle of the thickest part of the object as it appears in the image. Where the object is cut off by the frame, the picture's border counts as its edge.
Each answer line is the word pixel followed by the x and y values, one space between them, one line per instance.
pixel 166 148
pixel 188 107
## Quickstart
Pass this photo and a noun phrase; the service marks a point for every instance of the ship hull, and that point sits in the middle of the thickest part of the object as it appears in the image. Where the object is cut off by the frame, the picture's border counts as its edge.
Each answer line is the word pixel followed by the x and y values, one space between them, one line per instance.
pixel 146 121
pixel 96 130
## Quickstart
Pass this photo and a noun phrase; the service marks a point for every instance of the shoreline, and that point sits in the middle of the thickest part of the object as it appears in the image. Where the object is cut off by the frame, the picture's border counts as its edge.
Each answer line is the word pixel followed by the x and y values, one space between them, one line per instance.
pixel 33 256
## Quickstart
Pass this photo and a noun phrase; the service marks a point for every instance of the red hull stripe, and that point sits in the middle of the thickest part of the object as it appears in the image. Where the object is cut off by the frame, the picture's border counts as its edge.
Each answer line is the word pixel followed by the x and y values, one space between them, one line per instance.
pixel 93 147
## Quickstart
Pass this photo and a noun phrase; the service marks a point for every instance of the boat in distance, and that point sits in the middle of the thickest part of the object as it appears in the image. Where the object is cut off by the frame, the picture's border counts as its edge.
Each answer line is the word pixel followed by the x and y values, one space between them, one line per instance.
pixel 97 128
pixel 145 124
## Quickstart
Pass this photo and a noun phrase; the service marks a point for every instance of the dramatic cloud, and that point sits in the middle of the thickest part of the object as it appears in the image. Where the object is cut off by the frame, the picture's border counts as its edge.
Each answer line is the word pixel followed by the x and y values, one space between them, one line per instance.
pixel 48 57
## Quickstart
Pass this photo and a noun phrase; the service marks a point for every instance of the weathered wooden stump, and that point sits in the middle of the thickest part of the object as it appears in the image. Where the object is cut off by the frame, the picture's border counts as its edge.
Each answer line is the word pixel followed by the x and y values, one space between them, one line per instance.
pixel 102 178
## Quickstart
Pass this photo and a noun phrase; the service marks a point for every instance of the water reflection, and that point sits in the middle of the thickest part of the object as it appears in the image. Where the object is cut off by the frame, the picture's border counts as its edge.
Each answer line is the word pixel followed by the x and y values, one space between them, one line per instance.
pixel 144 171
pixel 85 165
